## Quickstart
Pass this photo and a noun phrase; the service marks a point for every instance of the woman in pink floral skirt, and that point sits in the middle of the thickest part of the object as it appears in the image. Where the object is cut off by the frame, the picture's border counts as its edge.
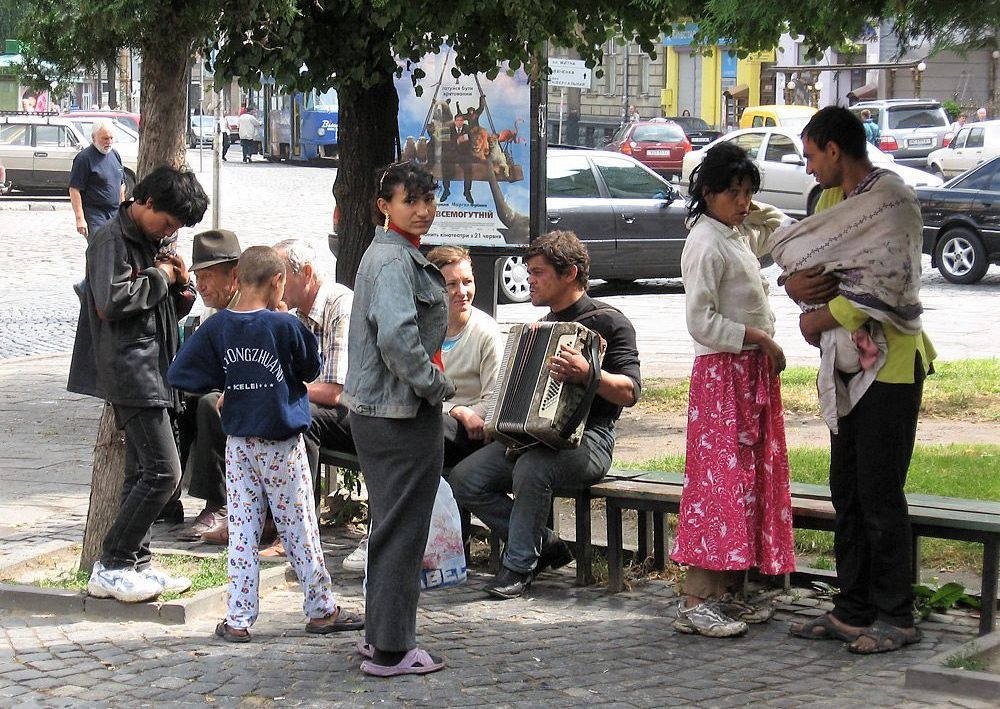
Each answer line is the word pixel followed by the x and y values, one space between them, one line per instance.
pixel 736 510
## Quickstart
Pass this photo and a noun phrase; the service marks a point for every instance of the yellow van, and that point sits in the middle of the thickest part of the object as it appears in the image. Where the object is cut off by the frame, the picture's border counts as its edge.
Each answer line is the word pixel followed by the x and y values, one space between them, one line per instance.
pixel 786 116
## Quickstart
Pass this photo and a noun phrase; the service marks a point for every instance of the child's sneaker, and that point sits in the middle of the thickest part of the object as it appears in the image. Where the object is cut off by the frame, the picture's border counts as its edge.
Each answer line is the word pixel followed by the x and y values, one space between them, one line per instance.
pixel 355 561
pixel 738 609
pixel 706 619
pixel 169 584
pixel 125 585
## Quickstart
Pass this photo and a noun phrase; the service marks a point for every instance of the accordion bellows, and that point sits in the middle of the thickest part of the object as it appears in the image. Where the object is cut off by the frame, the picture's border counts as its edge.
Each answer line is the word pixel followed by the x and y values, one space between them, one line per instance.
pixel 528 406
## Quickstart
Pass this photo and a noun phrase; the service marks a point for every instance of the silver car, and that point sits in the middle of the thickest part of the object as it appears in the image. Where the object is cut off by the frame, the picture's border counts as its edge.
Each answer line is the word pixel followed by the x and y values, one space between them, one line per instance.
pixel 910 129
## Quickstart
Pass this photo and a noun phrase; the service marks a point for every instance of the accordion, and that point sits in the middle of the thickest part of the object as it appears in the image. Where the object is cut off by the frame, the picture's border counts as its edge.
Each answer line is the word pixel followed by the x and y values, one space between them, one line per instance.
pixel 528 406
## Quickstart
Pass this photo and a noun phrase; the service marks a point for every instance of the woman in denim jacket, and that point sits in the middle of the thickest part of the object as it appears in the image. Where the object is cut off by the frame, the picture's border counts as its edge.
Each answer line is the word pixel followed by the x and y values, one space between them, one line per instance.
pixel 394 389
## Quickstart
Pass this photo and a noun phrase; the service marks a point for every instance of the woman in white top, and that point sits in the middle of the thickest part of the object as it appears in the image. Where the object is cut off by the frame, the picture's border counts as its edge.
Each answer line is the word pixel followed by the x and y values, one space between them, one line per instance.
pixel 471 355
pixel 736 509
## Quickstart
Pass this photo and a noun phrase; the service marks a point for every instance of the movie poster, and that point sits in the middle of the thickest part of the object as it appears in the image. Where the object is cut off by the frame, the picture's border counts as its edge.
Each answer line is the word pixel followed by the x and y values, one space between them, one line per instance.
pixel 473 134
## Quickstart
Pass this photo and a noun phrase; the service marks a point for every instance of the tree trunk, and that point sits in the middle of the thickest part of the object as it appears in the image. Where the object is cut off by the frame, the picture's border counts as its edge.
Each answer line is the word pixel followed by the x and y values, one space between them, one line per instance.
pixel 367 134
pixel 112 68
pixel 161 98
pixel 105 487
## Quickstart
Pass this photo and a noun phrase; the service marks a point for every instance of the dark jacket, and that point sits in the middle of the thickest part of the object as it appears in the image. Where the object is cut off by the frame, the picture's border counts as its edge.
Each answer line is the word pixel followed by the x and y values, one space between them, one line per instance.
pixel 127 333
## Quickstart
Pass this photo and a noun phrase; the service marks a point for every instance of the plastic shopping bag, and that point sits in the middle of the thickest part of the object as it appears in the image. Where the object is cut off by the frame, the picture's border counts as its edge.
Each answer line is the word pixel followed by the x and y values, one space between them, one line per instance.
pixel 444 555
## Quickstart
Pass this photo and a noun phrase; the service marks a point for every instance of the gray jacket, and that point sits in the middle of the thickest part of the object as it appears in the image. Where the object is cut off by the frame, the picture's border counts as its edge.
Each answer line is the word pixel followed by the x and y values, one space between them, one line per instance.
pixel 398 321
pixel 127 332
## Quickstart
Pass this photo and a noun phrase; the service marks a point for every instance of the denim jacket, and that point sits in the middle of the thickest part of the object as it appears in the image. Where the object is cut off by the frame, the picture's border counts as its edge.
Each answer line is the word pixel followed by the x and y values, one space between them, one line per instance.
pixel 398 321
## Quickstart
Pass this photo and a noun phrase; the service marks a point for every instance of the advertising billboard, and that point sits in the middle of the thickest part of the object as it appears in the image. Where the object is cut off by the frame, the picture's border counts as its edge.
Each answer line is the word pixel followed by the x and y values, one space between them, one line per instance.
pixel 474 134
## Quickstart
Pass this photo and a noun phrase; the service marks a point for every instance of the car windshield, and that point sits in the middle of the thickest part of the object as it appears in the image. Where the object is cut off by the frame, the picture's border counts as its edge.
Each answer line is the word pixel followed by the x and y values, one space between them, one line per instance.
pixel 903 117
pixel 690 123
pixel 203 121
pixel 324 101
pixel 122 133
pixel 658 133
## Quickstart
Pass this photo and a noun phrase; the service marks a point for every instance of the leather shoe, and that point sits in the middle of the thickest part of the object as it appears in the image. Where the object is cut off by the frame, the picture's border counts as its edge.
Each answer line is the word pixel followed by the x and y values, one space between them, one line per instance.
pixel 207 520
pixel 217 535
pixel 509 584
pixel 554 555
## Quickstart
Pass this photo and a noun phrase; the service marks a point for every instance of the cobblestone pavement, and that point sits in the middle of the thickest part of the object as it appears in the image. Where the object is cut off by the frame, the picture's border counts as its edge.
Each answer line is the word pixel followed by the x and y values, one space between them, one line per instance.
pixel 560 646
pixel 264 202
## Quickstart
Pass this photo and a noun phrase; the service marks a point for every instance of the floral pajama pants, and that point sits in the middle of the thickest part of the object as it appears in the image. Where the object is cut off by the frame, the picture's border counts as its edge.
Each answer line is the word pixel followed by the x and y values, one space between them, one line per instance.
pixel 259 473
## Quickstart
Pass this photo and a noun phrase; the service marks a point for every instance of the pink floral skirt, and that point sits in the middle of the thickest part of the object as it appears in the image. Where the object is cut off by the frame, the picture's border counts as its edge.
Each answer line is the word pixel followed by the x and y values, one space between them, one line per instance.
pixel 736 508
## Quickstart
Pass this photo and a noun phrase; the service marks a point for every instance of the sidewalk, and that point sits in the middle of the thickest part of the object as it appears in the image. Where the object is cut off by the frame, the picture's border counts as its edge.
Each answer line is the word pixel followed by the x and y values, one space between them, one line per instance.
pixel 560 646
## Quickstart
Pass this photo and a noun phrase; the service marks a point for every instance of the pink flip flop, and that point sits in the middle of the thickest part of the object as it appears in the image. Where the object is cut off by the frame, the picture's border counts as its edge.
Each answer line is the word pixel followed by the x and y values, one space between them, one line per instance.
pixel 416 662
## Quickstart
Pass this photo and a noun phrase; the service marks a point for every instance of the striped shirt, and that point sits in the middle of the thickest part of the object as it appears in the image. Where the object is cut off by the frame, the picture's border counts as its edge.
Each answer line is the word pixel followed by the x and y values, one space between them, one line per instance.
pixel 328 320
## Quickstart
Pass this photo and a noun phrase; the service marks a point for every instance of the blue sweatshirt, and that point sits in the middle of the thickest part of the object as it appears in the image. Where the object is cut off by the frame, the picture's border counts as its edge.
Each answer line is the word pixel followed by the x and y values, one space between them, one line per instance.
pixel 260 360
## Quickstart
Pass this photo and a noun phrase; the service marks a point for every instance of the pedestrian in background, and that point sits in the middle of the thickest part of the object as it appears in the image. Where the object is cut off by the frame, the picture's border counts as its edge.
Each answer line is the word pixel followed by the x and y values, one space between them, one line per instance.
pixel 735 510
pixel 260 360
pixel 131 301
pixel 97 180
pixel 249 123
pixel 394 389
pixel 872 131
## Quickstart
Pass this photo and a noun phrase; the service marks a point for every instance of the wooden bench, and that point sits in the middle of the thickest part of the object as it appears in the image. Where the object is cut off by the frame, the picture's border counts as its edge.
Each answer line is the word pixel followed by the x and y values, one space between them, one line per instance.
pixel 659 493
pixel 582 497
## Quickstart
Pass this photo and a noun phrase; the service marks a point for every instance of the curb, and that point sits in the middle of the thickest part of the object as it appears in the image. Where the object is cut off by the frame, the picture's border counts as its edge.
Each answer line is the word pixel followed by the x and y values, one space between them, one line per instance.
pixel 35 206
pixel 56 601
pixel 934 676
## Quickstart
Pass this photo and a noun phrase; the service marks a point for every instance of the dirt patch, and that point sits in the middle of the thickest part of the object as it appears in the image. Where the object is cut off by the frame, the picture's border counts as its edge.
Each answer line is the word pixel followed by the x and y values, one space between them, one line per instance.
pixel 644 436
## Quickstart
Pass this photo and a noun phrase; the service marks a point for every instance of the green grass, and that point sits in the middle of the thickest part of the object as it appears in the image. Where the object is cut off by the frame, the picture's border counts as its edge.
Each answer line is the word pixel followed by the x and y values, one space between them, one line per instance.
pixel 956 470
pixel 204 572
pixel 972 663
pixel 965 390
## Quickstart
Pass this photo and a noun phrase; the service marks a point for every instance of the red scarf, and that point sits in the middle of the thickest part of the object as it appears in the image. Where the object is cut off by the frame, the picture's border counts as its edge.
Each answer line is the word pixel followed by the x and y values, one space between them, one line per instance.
pixel 412 238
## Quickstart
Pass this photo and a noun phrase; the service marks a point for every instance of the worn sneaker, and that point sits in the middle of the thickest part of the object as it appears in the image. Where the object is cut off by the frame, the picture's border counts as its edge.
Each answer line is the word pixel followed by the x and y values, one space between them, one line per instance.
pixel 706 619
pixel 356 560
pixel 741 610
pixel 125 585
pixel 169 584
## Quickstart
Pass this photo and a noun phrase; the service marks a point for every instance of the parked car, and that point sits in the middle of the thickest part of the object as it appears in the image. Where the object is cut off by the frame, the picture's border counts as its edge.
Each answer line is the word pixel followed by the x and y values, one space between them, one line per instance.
pixel 974 143
pixel 658 144
pixel 201 131
pixel 696 129
pixel 783 178
pixel 910 129
pixel 131 120
pixel 962 223
pixel 788 116
pixel 4 185
pixel 38 151
pixel 630 218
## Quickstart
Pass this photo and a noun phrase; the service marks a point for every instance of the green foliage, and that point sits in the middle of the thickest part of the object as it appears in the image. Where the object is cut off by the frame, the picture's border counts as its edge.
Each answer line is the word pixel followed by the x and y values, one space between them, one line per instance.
pixel 969 662
pixel 928 599
pixel 952 108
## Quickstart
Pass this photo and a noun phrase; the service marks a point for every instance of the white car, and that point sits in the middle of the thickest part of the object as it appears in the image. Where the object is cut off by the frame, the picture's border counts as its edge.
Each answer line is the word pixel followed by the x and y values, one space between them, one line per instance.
pixel 783 178
pixel 975 143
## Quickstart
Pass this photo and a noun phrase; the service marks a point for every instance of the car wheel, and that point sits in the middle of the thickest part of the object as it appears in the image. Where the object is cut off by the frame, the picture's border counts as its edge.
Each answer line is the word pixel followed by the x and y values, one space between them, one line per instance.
pixel 813 201
pixel 129 184
pixel 512 283
pixel 961 257
pixel 937 171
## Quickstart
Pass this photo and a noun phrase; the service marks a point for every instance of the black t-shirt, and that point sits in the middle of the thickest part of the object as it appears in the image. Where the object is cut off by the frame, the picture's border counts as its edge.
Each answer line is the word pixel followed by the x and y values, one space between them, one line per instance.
pixel 99 178
pixel 622 354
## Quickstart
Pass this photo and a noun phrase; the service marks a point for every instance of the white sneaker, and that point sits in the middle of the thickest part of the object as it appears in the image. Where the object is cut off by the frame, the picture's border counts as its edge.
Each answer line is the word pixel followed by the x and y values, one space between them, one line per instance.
pixel 169 584
pixel 125 585
pixel 357 559
pixel 706 619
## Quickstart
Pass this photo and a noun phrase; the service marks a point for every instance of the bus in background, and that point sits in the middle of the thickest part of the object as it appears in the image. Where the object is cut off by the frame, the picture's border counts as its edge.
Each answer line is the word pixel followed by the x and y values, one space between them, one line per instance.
pixel 300 126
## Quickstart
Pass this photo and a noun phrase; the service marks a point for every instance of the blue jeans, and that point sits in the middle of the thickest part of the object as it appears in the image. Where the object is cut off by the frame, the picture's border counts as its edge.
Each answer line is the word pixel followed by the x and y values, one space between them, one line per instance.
pixel 152 471
pixel 483 483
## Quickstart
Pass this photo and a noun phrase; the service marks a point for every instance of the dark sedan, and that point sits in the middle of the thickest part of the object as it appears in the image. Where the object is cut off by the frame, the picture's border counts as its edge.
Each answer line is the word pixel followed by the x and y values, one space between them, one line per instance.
pixel 697 130
pixel 962 223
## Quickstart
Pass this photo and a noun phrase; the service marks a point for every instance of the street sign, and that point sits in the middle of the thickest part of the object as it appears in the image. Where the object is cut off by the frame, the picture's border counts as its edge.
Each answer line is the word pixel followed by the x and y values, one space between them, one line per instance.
pixel 572 73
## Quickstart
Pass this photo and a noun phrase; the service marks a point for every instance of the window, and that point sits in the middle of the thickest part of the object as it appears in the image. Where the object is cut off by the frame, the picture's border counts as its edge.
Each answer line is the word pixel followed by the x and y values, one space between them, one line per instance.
pixel 779 146
pixel 645 70
pixel 658 133
pixel 51 137
pixel 959 142
pixel 626 180
pixel 975 139
pixel 758 121
pixel 916 117
pixel 570 176
pixel 13 134
pixel 749 142
pixel 984 177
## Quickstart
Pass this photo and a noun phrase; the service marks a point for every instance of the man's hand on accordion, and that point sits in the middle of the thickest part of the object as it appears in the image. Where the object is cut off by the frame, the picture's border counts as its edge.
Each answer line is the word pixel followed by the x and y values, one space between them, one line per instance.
pixel 569 366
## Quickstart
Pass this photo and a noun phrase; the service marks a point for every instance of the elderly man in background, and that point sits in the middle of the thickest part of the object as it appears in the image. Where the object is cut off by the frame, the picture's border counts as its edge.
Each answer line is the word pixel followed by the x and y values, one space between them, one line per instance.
pixel 324 307
pixel 97 181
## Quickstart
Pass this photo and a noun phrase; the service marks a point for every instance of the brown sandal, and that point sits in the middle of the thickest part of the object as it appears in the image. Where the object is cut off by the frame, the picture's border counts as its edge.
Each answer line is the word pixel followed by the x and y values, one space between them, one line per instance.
pixel 822 628
pixel 886 637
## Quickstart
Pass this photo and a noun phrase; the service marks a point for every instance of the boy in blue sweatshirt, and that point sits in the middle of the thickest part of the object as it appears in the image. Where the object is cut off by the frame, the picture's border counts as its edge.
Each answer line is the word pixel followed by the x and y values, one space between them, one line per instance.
pixel 260 360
